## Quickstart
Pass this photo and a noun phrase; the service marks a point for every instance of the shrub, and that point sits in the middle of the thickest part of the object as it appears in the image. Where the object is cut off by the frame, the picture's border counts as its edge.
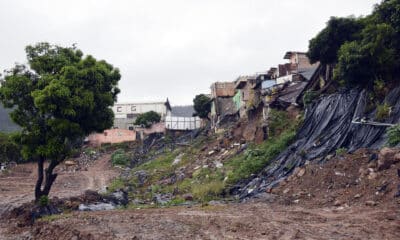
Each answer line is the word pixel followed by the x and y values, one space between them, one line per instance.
pixel 207 191
pixel 341 151
pixel 382 112
pixel 309 96
pixel 119 158
pixel 393 135
pixel 44 201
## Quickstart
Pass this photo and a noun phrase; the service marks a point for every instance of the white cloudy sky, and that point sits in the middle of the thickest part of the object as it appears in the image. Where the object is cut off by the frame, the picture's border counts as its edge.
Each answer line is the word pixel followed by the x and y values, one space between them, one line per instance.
pixel 171 48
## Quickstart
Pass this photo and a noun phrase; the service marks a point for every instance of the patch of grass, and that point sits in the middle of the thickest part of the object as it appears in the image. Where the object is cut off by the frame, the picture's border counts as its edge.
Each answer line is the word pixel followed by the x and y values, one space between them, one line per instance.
pixel 393 135
pixel 254 160
pixel 175 202
pixel 160 164
pixel 208 191
pixel 51 218
pixel 116 184
pixel 185 186
pixel 341 151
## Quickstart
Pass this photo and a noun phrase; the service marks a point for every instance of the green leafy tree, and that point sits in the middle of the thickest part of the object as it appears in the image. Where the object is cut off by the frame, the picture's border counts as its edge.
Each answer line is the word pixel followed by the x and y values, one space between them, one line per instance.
pixel 325 46
pixel 372 58
pixel 148 118
pixel 202 105
pixel 9 150
pixel 60 97
pixel 362 50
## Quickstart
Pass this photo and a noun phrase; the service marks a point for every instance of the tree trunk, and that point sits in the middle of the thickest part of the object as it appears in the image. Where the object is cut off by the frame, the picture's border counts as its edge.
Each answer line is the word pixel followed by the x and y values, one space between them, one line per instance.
pixel 38 190
pixel 49 178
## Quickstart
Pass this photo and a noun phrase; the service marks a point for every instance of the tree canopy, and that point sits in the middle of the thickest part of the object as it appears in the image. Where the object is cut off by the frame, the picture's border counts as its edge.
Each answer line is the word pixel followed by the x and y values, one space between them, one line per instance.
pixel 325 46
pixel 57 99
pixel 364 50
pixel 148 118
pixel 202 105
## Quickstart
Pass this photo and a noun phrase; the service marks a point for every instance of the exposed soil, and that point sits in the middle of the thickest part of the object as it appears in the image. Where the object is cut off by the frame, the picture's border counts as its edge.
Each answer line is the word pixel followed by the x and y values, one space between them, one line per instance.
pixel 320 202
pixel 16 186
pixel 234 221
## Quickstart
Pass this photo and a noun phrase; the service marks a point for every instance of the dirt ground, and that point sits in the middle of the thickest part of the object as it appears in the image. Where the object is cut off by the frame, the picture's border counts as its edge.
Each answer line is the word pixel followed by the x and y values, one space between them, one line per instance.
pixel 310 209
pixel 234 221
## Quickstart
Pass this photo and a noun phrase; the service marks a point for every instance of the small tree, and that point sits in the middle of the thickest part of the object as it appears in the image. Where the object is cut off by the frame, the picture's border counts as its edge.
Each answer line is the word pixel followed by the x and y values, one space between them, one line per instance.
pixel 148 118
pixel 58 100
pixel 202 105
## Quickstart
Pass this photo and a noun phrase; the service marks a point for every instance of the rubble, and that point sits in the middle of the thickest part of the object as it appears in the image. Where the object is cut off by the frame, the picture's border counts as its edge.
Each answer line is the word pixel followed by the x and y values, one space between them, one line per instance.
pixel 387 157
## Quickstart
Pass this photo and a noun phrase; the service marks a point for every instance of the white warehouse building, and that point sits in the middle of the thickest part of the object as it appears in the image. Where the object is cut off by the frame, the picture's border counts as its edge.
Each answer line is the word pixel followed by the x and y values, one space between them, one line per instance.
pixel 126 113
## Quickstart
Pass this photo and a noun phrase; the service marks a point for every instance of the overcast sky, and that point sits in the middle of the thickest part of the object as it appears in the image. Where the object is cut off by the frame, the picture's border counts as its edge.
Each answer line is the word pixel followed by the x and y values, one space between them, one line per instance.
pixel 171 48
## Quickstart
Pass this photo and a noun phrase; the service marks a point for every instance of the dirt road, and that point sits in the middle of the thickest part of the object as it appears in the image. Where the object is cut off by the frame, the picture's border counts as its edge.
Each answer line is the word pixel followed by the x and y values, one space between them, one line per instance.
pixel 235 221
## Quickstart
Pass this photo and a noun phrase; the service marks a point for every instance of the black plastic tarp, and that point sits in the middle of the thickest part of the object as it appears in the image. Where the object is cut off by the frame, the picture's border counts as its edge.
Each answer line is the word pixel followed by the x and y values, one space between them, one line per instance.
pixel 327 127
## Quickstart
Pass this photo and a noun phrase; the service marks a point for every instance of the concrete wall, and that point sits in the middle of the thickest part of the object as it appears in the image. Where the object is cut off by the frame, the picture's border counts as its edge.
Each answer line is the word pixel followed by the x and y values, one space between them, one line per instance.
pixel 112 136
pixel 223 89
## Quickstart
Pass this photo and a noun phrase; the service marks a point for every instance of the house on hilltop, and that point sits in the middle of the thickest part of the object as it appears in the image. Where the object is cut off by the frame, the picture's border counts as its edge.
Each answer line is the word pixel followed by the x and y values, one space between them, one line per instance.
pixel 291 71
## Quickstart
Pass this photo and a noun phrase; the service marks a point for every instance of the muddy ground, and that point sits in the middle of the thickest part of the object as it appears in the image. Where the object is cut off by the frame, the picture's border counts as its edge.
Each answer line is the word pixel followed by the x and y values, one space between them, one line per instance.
pixel 308 210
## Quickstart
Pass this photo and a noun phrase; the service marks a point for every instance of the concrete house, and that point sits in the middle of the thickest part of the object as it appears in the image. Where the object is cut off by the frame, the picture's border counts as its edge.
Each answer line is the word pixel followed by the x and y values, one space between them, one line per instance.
pixel 222 105
pixel 298 62
pixel 126 113
pixel 248 93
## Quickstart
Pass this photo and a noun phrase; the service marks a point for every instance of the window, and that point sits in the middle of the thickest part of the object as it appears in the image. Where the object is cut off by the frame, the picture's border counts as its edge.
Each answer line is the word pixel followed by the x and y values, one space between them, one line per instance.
pixel 130 115
pixel 133 108
pixel 119 109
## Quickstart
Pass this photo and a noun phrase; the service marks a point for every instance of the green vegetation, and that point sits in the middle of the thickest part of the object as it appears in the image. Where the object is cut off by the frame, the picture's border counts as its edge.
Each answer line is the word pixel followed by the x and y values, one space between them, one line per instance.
pixel 208 191
pixel 116 184
pixel 258 157
pixel 341 151
pixel 202 105
pixel 382 111
pixel 325 46
pixel 119 158
pixel 309 97
pixel 57 100
pixel 55 217
pixel 9 150
pixel 362 50
pixel 393 135
pixel 44 201
pixel 148 118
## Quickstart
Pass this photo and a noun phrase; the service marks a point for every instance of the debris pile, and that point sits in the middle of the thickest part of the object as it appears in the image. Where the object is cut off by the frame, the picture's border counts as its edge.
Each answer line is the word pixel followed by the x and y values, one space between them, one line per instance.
pixel 345 181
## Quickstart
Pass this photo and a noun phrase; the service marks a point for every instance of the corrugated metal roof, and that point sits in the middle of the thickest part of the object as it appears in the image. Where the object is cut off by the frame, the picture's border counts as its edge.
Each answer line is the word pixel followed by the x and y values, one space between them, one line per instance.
pixel 182 111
